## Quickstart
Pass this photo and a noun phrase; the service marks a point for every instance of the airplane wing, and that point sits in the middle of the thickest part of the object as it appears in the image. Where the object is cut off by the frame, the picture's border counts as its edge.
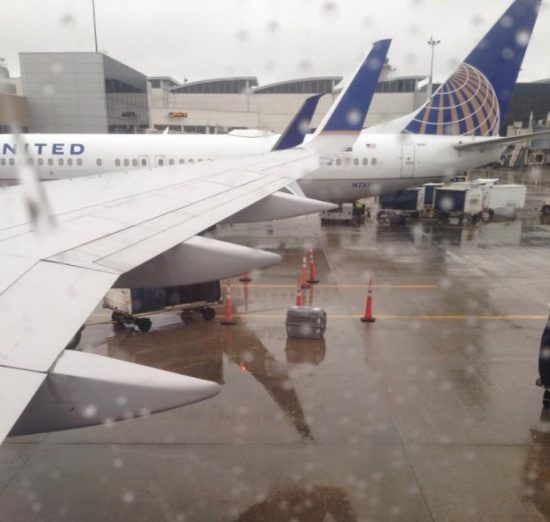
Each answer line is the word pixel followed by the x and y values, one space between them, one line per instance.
pixel 52 279
pixel 484 144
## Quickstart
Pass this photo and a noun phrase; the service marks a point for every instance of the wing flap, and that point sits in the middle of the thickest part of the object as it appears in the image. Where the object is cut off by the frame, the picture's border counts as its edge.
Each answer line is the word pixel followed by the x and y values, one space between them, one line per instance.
pixel 17 388
pixel 41 313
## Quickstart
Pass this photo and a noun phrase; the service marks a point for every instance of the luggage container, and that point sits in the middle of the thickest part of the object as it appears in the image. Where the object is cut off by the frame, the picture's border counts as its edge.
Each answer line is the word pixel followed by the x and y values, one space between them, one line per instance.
pixel 306 322
pixel 128 303
pixel 411 199
pixel 464 202
pixel 504 200
pixel 429 194
pixel 400 207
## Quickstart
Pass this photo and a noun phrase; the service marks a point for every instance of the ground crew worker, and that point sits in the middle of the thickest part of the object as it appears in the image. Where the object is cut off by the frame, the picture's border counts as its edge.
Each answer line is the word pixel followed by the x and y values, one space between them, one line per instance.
pixel 358 212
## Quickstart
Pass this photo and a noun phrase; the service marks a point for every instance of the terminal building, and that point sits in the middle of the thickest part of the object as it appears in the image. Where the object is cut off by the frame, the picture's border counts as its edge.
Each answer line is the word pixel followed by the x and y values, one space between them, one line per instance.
pixel 83 92
pixel 224 104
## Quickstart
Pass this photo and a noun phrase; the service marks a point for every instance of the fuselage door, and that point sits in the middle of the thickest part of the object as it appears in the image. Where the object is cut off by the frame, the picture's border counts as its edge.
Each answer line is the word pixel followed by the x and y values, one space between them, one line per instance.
pixel 407 161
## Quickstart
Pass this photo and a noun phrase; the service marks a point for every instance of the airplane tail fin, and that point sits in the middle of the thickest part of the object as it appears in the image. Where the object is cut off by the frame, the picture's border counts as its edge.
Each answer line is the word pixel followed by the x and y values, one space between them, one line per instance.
pixel 344 120
pixel 297 129
pixel 474 100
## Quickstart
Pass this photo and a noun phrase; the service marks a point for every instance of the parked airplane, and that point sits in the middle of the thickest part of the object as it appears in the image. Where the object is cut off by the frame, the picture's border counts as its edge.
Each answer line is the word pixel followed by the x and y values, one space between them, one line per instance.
pixel 63 244
pixel 454 131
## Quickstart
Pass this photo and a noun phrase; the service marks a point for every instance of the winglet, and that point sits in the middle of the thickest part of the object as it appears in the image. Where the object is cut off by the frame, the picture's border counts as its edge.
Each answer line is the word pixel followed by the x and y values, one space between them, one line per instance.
pixel 297 129
pixel 474 100
pixel 344 121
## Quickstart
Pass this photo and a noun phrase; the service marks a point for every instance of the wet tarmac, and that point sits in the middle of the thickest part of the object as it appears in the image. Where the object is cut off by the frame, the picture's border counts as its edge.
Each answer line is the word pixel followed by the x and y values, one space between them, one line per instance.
pixel 431 413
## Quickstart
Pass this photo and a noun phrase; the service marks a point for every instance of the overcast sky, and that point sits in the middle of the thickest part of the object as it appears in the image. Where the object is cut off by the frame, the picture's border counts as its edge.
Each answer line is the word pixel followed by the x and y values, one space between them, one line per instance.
pixel 271 39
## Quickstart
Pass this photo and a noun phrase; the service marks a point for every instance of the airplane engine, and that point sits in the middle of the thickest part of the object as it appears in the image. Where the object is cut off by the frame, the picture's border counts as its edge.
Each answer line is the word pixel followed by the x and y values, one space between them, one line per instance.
pixel 197 260
pixel 84 389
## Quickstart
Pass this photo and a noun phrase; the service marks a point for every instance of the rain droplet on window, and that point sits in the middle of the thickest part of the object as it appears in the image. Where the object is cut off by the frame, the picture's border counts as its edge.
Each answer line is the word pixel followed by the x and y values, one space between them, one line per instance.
pixel 522 38
pixel 507 21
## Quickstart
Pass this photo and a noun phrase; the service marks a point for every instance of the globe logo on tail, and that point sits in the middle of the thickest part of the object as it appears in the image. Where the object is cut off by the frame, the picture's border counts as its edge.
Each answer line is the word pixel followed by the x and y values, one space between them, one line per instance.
pixel 465 105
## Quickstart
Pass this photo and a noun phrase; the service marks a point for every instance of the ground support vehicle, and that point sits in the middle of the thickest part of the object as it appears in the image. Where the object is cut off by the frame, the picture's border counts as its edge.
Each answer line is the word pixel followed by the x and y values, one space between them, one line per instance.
pixel 132 305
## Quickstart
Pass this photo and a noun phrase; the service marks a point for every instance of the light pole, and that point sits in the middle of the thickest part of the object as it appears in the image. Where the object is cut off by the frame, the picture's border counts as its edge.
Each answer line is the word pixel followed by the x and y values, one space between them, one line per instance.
pixel 432 43
pixel 95 29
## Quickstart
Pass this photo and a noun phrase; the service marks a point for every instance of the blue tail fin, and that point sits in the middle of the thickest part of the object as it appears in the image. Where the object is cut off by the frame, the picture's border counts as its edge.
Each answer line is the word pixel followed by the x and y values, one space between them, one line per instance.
pixel 348 112
pixel 344 120
pixel 297 129
pixel 474 100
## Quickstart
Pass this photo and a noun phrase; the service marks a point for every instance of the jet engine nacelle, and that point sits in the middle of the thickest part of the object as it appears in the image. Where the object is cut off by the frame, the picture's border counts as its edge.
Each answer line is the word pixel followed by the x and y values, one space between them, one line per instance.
pixel 84 389
pixel 198 260
pixel 279 205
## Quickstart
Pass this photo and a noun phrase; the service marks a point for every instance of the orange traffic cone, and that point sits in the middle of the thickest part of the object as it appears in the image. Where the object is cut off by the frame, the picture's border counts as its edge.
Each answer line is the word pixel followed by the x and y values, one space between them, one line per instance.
pixel 245 278
pixel 299 297
pixel 368 317
pixel 312 279
pixel 228 307
pixel 303 274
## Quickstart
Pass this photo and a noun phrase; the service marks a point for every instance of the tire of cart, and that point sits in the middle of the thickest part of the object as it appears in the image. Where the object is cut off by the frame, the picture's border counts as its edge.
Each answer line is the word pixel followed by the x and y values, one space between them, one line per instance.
pixel 186 315
pixel 546 399
pixel 208 313
pixel 486 215
pixel 382 217
pixel 144 324
pixel 465 220
pixel 546 210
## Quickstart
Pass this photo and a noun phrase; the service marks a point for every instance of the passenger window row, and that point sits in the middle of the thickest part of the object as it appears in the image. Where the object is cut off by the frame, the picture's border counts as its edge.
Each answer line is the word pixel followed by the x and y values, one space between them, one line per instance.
pixel 144 162
pixel 356 162
pixel 70 162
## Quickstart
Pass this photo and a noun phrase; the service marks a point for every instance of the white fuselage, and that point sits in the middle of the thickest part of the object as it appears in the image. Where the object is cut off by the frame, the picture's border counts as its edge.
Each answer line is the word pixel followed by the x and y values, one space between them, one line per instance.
pixel 378 163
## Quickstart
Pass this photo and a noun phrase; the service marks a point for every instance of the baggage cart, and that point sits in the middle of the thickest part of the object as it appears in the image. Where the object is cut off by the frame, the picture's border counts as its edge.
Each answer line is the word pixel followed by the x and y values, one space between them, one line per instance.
pixel 306 322
pixel 398 208
pixel 131 305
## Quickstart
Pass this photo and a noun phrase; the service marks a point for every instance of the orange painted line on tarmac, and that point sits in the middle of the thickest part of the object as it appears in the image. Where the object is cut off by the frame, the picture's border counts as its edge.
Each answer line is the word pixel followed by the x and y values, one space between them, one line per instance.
pixel 403 287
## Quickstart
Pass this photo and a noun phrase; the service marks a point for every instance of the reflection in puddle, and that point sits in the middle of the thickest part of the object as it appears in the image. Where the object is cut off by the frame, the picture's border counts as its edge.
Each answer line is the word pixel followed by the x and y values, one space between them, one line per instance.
pixel 303 503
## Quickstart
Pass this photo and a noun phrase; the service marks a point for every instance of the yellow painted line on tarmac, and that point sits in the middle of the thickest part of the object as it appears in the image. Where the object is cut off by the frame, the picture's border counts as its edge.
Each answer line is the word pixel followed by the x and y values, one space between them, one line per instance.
pixel 412 317
pixel 344 286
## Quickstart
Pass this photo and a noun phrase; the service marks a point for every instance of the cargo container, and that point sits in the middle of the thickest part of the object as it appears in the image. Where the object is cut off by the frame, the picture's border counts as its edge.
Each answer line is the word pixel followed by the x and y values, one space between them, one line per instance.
pixel 127 303
pixel 429 194
pixel 461 201
pixel 504 200
pixel 398 208
pixel 411 199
